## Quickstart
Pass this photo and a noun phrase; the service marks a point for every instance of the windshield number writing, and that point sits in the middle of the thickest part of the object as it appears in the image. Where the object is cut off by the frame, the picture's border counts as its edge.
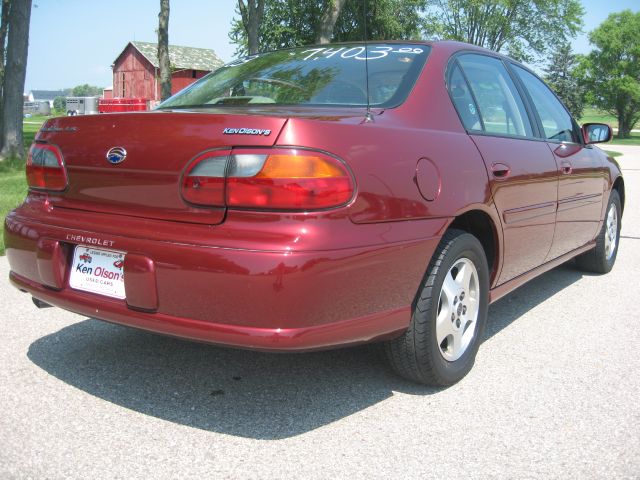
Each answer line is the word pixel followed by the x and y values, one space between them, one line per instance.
pixel 358 53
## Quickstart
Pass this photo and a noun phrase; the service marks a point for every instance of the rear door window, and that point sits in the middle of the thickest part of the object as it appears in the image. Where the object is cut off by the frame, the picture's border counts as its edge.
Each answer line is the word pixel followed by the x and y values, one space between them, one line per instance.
pixel 462 99
pixel 556 121
pixel 498 101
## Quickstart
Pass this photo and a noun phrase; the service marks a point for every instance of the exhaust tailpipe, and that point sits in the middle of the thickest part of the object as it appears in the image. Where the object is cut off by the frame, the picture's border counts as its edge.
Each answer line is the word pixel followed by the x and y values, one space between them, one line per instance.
pixel 40 303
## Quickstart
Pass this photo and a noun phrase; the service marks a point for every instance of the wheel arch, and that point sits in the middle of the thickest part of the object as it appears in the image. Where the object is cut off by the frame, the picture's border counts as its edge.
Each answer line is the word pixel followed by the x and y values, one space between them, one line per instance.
pixel 618 185
pixel 486 229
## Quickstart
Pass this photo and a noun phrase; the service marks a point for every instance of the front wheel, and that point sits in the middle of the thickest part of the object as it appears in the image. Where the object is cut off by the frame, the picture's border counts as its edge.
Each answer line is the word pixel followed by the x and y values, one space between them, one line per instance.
pixel 602 258
pixel 449 315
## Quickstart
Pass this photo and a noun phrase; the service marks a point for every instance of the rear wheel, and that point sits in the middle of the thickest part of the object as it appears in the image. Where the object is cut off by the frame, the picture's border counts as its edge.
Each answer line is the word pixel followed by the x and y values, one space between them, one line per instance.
pixel 602 258
pixel 449 315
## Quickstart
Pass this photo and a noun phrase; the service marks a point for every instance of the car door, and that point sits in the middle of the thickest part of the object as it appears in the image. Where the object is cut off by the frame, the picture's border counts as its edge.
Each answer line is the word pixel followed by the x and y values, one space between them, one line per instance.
pixel 523 176
pixel 580 169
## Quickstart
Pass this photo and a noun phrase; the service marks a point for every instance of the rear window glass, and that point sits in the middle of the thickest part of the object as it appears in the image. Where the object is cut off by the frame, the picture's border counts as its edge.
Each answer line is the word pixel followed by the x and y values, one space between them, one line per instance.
pixel 321 76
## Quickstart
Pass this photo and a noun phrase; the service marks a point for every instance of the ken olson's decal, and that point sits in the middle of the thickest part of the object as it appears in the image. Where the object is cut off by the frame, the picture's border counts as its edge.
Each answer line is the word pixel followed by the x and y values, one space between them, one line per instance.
pixel 246 131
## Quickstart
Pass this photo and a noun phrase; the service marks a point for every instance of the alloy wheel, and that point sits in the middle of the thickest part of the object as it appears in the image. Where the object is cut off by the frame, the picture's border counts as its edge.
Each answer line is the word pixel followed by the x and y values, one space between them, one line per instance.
pixel 611 232
pixel 458 309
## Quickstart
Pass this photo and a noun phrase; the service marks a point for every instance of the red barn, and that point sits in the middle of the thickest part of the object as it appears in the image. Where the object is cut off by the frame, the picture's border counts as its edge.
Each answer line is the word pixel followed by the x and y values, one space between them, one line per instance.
pixel 136 71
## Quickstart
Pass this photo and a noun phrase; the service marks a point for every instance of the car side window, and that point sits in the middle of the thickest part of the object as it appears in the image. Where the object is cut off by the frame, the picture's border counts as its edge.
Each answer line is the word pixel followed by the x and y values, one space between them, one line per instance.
pixel 556 121
pixel 462 99
pixel 499 104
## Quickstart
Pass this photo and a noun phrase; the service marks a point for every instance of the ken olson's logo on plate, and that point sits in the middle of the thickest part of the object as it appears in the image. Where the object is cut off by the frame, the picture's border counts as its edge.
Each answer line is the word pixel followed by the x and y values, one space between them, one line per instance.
pixel 116 155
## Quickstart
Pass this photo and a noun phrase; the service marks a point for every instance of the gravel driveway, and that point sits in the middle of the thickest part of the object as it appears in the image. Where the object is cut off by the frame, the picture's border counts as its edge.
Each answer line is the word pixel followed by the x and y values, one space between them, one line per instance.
pixel 554 394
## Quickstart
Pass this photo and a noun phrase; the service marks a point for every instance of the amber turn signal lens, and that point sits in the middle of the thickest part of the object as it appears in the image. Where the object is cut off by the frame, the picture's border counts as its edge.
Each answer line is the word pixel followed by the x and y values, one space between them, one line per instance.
pixel 299 166
pixel 291 179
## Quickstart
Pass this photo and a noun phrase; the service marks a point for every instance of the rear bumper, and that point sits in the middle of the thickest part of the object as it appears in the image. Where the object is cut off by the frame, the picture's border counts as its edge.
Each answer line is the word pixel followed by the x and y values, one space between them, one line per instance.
pixel 348 332
pixel 271 299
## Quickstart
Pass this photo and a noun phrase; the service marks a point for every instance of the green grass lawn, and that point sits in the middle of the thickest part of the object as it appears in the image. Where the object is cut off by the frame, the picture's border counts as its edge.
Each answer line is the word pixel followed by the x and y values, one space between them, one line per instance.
pixel 591 115
pixel 39 118
pixel 29 131
pixel 634 140
pixel 612 154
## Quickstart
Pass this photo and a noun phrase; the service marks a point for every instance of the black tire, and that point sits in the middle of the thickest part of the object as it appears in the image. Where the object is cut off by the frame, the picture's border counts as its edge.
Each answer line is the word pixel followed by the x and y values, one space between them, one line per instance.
pixel 416 354
pixel 597 259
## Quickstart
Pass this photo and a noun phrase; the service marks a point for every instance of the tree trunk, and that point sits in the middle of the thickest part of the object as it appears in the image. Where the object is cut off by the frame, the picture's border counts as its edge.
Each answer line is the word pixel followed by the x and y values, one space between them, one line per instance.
pixel 163 50
pixel 328 21
pixel 14 77
pixel 252 13
pixel 624 129
pixel 4 27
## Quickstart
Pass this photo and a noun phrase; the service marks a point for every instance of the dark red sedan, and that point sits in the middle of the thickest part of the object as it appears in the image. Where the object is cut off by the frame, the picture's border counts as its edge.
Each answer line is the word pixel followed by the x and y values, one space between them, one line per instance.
pixel 290 201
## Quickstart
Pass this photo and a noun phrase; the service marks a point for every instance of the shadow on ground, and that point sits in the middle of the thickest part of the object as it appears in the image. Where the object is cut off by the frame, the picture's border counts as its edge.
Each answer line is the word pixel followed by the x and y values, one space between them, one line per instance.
pixel 243 393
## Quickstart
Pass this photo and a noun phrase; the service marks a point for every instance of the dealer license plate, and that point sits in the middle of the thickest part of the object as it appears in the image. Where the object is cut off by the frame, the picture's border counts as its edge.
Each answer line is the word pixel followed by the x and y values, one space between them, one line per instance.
pixel 98 271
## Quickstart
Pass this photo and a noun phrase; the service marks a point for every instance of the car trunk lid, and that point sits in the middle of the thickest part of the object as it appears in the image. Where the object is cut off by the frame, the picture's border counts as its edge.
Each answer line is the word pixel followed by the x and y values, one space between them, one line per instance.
pixel 157 146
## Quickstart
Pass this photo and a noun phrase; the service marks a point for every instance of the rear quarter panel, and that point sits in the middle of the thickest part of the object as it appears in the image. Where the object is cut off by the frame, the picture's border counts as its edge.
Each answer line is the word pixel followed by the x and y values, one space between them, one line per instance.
pixel 384 159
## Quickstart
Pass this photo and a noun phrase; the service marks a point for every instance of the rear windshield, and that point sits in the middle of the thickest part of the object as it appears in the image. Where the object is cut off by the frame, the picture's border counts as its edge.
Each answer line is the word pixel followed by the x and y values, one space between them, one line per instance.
pixel 315 76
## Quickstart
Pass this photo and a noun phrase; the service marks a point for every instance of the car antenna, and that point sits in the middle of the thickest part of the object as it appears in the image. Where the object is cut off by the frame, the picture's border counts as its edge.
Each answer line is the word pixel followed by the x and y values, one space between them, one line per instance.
pixel 367 117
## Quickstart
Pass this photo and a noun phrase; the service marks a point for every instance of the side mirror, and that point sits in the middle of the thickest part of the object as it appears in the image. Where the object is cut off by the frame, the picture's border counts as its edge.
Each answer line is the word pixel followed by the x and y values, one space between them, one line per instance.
pixel 596 133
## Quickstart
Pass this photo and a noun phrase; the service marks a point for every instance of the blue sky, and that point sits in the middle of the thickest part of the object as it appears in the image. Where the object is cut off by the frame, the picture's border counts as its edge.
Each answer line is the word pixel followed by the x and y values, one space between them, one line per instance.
pixel 75 41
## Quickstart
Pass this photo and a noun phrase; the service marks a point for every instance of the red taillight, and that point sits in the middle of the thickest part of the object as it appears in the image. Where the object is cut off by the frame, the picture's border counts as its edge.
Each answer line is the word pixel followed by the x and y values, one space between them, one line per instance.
pixel 282 179
pixel 45 168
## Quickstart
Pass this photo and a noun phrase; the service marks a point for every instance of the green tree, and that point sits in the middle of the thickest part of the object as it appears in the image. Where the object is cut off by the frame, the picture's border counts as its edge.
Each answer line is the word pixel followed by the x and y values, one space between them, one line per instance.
pixel 524 29
pixel 285 23
pixel 288 23
pixel 86 90
pixel 612 70
pixel 562 76
pixel 386 20
pixel 60 104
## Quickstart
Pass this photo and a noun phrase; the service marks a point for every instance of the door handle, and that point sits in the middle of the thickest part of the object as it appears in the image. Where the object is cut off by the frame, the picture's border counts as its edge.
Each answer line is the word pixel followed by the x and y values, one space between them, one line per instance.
pixel 566 168
pixel 500 170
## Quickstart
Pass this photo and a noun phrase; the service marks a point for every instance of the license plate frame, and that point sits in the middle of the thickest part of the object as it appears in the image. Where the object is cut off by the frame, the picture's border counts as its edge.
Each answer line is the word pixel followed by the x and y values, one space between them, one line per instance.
pixel 98 271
